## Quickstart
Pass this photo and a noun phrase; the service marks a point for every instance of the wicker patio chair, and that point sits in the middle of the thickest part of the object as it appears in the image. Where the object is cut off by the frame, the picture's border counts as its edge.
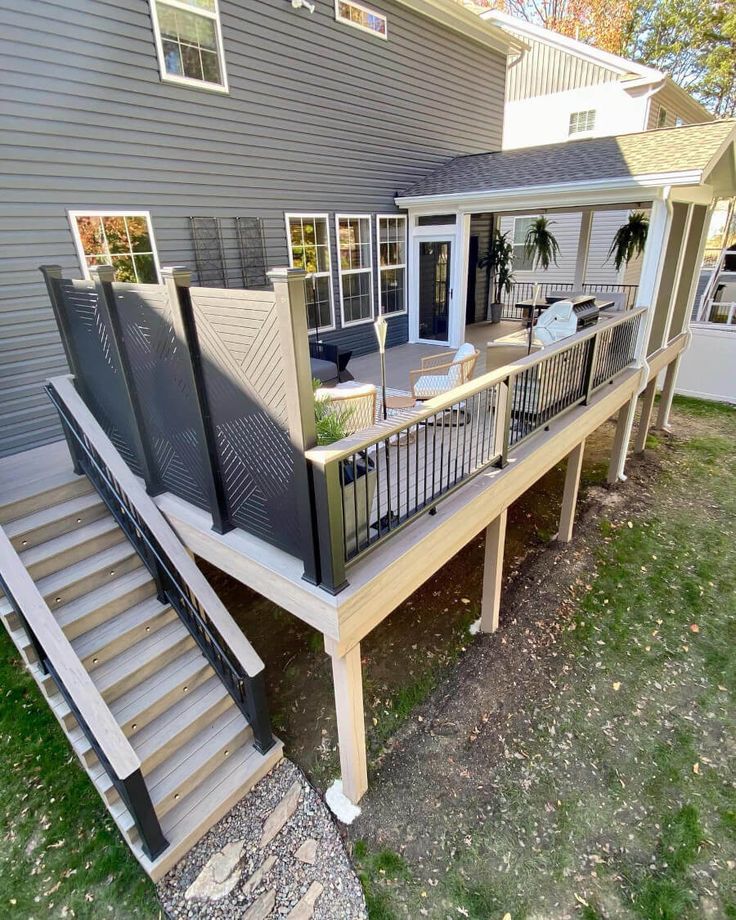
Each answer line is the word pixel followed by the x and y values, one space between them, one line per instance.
pixel 437 375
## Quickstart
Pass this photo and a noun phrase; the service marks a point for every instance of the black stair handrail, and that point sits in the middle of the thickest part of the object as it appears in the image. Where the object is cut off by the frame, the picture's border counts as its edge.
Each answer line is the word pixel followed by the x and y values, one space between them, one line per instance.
pixel 179 582
pixel 57 658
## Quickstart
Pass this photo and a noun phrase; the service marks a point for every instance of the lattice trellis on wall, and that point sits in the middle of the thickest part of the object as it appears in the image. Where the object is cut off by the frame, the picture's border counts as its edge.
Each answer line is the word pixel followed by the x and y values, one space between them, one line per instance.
pixel 229 253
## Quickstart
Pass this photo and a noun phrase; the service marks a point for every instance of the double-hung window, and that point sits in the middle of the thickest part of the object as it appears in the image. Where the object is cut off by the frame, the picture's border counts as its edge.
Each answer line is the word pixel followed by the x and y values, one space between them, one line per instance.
pixel 582 122
pixel 523 261
pixel 189 42
pixel 391 232
pixel 308 236
pixel 355 264
pixel 662 117
pixel 121 239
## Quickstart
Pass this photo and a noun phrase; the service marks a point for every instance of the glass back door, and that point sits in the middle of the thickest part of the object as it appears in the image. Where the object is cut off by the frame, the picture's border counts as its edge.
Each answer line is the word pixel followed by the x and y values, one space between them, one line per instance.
pixel 434 290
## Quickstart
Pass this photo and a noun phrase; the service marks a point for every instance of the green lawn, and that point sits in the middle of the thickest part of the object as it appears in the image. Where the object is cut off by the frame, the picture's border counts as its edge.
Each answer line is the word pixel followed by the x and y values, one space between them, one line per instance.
pixel 61 855
pixel 620 802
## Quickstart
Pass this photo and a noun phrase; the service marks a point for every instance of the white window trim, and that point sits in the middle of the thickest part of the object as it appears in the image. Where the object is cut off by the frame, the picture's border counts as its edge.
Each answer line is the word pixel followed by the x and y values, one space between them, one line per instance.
pixel 523 271
pixel 584 131
pixel 188 81
pixel 113 212
pixel 379 218
pixel 356 25
pixel 354 271
pixel 291 215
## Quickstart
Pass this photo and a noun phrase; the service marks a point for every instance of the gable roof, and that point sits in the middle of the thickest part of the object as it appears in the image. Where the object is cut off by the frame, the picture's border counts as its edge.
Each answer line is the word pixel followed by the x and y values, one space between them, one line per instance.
pixel 631 74
pixel 619 65
pixel 666 156
pixel 454 16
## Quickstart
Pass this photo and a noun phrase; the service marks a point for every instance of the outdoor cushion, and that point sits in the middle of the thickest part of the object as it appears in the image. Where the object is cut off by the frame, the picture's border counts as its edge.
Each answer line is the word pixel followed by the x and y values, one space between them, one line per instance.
pixel 323 370
pixel 433 385
pixel 455 374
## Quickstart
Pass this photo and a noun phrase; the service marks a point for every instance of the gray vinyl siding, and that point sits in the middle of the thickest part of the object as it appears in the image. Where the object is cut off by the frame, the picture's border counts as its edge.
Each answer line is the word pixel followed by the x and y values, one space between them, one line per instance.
pixel 675 107
pixel 320 117
pixel 544 69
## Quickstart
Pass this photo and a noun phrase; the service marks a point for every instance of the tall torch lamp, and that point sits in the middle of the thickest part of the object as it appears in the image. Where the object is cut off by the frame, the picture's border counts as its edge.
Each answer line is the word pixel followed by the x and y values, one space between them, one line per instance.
pixel 381 328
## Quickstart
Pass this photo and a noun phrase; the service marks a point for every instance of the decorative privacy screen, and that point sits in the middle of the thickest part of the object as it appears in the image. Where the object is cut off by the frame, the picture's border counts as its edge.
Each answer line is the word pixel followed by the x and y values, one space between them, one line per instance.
pixel 144 381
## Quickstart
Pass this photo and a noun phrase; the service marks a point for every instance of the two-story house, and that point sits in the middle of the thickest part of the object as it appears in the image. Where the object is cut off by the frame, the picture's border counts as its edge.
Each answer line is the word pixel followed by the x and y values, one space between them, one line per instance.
pixel 229 137
pixel 561 89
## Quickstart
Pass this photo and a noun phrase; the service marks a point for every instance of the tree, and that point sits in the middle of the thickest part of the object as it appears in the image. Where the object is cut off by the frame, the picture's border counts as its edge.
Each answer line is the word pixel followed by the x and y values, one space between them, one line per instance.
pixel 694 41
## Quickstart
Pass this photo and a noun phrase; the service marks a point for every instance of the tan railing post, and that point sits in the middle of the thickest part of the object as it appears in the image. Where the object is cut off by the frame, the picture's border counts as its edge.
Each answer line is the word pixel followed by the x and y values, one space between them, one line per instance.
pixel 291 309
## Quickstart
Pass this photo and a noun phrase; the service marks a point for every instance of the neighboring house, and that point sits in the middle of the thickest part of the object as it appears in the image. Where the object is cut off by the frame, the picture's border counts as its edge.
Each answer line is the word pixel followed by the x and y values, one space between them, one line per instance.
pixel 230 137
pixel 561 89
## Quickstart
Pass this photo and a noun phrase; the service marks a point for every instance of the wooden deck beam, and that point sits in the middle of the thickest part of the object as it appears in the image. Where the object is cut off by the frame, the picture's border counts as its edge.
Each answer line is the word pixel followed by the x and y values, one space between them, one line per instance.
pixel 493 573
pixel 570 492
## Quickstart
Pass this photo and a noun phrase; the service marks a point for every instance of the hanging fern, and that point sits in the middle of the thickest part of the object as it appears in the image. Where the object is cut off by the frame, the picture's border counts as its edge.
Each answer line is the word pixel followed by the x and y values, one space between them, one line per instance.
pixel 540 244
pixel 630 239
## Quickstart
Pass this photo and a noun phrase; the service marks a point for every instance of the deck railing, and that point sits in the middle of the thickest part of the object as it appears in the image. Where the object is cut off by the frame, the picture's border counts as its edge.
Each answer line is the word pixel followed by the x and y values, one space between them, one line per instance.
pixel 372 484
pixel 57 658
pixel 524 290
pixel 179 582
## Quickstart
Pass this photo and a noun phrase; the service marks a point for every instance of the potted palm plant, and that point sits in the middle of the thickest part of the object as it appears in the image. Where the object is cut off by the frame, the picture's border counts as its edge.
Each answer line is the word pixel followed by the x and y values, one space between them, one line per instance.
pixel 498 260
pixel 540 244
pixel 332 425
pixel 630 239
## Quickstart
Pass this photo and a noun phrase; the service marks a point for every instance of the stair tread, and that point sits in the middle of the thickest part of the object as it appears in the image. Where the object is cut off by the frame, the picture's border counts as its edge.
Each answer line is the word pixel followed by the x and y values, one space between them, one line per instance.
pixel 197 751
pixel 28 489
pixel 143 695
pixel 162 730
pixel 218 786
pixel 56 545
pixel 195 761
pixel 56 582
pixel 45 516
pixel 209 697
pixel 99 637
pixel 139 655
pixel 93 600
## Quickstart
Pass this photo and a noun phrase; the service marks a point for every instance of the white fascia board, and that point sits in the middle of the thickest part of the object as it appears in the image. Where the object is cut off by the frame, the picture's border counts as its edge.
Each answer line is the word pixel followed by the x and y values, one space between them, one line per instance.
pixel 595 191
pixel 454 16
pixel 572 45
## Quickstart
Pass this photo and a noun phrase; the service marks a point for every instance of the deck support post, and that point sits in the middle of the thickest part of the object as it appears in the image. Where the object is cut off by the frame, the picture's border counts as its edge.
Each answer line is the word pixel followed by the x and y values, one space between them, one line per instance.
pixel 668 392
pixel 347 679
pixel 570 492
pixel 645 420
pixel 490 607
pixel 624 424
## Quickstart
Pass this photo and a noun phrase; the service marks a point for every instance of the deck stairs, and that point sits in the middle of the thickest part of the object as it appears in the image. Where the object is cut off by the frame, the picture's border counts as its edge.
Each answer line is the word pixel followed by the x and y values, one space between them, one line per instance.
pixel 195 746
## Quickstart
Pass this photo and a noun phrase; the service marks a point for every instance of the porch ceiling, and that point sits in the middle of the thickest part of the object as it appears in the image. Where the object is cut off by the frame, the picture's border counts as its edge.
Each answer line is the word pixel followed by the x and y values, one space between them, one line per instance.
pixel 592 167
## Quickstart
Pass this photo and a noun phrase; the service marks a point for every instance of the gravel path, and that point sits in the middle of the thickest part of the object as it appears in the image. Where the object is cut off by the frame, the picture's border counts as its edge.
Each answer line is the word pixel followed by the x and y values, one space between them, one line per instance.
pixel 278 853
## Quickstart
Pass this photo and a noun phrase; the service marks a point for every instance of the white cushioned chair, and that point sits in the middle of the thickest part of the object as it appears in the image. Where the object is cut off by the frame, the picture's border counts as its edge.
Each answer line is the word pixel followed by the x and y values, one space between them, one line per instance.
pixel 354 402
pixel 437 375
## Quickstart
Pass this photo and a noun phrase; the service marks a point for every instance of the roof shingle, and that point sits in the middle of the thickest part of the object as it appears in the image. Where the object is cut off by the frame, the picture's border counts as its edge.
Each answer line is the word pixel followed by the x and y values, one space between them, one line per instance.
pixel 669 150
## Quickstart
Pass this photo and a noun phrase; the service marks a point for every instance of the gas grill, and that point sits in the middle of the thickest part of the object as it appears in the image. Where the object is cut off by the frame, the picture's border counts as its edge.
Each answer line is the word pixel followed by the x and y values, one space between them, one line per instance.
pixel 584 306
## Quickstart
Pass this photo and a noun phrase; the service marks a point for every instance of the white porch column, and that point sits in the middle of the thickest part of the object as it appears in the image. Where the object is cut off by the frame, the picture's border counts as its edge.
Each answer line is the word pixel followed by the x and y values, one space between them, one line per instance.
pixel 459 281
pixel 668 392
pixel 581 260
pixel 493 573
pixel 347 679
pixel 660 220
pixel 645 418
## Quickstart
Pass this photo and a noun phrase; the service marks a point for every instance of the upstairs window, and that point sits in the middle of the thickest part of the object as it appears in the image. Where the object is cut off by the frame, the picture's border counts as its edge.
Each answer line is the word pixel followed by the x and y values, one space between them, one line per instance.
pixel 355 262
pixel 392 264
pixel 662 117
pixel 355 14
pixel 523 262
pixel 581 122
pixel 309 249
pixel 122 240
pixel 189 42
